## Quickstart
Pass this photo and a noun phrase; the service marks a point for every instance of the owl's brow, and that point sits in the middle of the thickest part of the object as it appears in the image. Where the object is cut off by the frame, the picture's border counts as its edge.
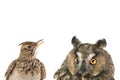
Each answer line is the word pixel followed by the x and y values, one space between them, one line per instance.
pixel 79 55
pixel 91 56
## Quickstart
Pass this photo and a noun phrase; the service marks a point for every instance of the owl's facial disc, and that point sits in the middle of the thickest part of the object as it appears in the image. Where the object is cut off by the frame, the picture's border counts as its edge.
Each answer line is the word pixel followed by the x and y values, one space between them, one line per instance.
pixel 84 62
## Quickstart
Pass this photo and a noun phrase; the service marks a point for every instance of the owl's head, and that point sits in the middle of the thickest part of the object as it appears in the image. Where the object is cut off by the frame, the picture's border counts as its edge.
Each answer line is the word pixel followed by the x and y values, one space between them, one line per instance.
pixel 89 59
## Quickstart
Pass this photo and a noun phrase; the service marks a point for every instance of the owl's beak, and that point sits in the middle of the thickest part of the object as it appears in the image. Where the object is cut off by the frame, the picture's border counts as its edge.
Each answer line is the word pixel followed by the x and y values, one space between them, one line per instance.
pixel 83 67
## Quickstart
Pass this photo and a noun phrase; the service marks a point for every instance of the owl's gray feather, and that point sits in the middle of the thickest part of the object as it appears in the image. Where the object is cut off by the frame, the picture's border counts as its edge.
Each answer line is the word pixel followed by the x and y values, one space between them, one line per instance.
pixel 86 62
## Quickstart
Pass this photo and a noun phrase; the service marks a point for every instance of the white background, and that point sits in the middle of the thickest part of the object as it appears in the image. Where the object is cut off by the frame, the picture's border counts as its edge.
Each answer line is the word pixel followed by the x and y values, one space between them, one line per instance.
pixel 57 22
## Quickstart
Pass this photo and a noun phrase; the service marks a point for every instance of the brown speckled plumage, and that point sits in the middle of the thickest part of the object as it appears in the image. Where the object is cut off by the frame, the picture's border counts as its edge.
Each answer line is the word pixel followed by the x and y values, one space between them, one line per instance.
pixel 78 64
pixel 26 67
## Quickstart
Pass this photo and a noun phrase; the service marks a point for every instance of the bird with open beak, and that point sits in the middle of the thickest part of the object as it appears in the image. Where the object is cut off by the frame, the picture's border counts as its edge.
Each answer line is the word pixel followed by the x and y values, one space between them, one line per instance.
pixel 27 67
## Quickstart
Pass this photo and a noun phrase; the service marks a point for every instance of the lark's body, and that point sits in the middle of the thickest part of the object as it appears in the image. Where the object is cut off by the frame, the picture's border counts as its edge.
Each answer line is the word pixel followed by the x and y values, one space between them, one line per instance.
pixel 16 75
pixel 26 70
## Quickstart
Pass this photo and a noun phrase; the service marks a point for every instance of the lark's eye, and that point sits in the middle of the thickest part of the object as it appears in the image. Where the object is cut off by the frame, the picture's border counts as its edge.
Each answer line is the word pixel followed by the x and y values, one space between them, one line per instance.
pixel 77 60
pixel 93 61
pixel 28 47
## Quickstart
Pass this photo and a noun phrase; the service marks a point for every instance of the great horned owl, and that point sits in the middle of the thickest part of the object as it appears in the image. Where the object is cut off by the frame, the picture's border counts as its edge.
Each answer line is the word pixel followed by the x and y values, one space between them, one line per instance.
pixel 86 62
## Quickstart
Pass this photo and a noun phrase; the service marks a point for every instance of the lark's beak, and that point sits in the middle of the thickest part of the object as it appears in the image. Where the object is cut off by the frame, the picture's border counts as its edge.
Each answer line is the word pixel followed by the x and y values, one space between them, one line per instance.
pixel 38 43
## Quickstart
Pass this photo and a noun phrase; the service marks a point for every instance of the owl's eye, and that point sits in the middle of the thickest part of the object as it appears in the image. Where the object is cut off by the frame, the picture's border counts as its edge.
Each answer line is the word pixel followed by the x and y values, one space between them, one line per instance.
pixel 93 61
pixel 76 60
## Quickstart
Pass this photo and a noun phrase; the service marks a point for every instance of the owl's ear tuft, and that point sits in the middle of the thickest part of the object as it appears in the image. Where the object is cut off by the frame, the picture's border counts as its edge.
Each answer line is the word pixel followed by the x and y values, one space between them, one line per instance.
pixel 76 42
pixel 101 43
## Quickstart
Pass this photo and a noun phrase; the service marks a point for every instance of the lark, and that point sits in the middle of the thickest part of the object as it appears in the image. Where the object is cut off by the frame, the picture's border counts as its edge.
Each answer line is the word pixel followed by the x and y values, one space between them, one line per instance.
pixel 27 66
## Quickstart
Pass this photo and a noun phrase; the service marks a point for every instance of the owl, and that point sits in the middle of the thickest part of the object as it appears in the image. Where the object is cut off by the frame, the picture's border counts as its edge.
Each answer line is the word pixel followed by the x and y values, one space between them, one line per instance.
pixel 86 62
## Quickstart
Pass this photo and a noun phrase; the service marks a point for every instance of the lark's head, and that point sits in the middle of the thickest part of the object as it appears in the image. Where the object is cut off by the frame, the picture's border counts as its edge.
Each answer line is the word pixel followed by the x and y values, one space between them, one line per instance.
pixel 28 49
